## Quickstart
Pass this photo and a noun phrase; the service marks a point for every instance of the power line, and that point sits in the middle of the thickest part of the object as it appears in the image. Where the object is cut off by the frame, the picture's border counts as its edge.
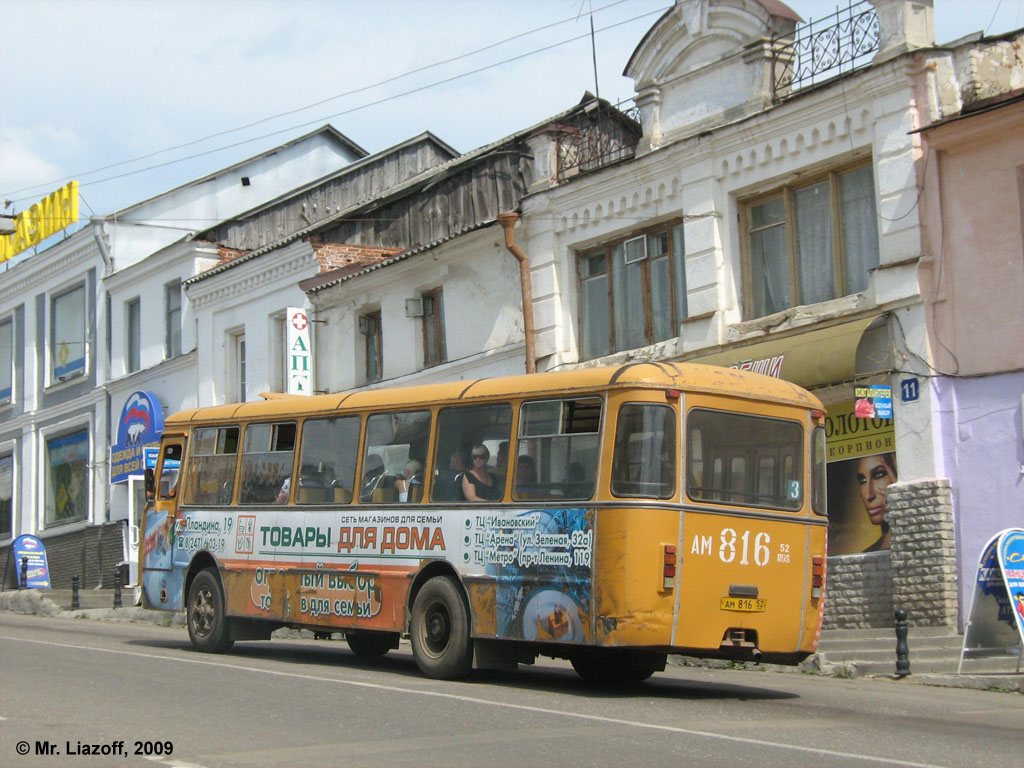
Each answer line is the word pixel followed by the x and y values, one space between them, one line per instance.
pixel 334 98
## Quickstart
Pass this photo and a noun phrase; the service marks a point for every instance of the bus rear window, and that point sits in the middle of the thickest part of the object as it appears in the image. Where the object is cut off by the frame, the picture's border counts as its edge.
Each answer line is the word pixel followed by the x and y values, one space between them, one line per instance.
pixel 645 452
pixel 211 467
pixel 744 460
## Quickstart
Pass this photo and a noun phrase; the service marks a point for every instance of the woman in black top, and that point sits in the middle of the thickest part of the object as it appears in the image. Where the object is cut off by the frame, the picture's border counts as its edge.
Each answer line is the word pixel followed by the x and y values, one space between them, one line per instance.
pixel 478 484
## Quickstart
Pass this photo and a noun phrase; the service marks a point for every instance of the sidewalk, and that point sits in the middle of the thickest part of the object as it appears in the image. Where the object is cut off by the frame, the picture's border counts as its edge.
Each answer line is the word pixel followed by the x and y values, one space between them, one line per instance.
pixel 97 604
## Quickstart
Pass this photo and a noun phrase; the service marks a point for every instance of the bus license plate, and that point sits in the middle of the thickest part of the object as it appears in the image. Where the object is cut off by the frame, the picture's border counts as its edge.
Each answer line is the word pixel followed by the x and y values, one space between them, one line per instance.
pixel 743 604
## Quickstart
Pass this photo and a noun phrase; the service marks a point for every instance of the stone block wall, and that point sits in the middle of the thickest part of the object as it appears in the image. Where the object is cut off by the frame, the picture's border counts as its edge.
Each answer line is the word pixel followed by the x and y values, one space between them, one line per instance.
pixel 859 592
pixel 924 573
pixel 92 554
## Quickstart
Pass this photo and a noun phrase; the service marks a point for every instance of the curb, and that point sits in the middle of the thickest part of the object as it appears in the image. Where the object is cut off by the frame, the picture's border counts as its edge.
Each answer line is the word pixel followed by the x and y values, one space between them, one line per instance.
pixel 32 601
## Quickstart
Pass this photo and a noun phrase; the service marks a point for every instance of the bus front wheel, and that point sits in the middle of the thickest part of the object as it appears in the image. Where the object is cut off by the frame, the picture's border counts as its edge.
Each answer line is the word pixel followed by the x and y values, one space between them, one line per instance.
pixel 208 626
pixel 440 631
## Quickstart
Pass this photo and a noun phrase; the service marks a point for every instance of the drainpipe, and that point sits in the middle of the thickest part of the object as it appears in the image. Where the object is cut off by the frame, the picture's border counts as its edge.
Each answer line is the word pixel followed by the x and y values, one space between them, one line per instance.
pixel 508 222
pixel 97 233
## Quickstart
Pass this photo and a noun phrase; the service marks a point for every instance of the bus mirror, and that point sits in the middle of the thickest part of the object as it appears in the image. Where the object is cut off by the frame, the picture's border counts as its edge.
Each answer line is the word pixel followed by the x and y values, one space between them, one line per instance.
pixel 150 484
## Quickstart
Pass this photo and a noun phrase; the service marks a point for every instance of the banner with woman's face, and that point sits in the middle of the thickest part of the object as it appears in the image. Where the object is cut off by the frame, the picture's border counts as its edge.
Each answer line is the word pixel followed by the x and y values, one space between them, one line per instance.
pixel 862 465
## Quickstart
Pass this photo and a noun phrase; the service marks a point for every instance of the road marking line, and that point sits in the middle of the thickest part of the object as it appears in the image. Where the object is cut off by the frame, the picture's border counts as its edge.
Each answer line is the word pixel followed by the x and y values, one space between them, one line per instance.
pixel 501 704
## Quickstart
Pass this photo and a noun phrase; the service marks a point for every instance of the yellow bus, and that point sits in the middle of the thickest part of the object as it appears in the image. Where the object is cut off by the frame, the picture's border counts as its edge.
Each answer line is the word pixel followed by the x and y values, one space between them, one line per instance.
pixel 608 516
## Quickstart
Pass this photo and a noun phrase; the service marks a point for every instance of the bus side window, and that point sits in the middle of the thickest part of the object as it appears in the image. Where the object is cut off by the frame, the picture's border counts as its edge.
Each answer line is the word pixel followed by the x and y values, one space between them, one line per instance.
pixel 170 466
pixel 645 451
pixel 557 449
pixel 211 468
pixel 327 460
pixel 458 430
pixel 266 462
pixel 396 445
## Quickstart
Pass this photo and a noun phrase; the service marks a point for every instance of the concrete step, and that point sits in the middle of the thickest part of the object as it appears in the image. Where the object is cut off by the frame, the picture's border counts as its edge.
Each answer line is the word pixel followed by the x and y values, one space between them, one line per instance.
pixel 931 651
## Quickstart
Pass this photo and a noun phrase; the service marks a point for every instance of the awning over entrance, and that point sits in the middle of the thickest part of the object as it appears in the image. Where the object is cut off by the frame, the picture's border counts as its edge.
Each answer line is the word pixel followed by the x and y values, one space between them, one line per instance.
pixel 811 358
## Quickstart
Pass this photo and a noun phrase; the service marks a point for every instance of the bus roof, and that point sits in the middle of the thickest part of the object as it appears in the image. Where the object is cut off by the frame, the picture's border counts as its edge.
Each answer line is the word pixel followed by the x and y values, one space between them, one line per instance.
pixel 685 377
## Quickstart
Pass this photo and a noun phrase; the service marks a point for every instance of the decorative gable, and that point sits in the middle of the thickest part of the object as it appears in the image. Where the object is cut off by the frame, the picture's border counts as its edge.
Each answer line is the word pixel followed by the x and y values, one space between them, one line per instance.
pixel 706 63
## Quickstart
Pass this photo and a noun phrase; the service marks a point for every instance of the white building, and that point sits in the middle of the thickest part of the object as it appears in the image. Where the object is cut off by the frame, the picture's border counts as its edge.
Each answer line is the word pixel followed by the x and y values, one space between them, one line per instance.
pixel 97 317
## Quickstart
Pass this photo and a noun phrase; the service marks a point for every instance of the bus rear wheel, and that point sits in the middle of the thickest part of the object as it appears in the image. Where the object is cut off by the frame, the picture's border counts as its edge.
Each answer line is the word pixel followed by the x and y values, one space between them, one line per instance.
pixel 371 645
pixel 208 626
pixel 616 668
pixel 440 631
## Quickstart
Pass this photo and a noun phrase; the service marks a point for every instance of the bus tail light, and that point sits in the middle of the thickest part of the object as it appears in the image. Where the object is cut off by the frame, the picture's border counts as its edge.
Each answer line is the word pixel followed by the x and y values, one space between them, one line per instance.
pixel 817 576
pixel 669 567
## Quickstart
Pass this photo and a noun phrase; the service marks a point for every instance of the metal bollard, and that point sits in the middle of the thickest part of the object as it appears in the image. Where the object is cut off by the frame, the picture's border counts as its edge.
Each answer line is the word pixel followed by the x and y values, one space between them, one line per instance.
pixel 117 587
pixel 23 579
pixel 74 593
pixel 902 653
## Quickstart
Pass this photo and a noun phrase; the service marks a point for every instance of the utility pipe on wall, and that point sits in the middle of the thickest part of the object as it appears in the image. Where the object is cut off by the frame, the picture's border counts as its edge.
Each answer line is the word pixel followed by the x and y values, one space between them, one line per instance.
pixel 508 222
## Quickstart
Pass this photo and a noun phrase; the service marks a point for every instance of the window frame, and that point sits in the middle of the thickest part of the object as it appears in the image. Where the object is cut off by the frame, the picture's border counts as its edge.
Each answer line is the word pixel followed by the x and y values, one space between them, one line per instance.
pixel 434 353
pixel 54 300
pixel 172 319
pixel 7 393
pixel 8 452
pixel 371 328
pixel 674 255
pixel 841 282
pixel 133 335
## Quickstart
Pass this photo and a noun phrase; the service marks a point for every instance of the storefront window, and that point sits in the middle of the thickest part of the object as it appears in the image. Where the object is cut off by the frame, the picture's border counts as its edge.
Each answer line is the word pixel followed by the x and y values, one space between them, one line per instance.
pixel 67 478
pixel 6 495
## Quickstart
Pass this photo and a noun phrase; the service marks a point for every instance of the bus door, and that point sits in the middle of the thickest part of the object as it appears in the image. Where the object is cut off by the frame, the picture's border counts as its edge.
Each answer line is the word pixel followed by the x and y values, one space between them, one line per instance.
pixel 744 544
pixel 158 528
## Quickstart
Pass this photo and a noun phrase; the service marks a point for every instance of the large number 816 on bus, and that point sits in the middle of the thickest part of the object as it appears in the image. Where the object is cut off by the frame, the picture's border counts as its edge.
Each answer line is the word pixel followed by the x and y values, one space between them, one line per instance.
pixel 608 516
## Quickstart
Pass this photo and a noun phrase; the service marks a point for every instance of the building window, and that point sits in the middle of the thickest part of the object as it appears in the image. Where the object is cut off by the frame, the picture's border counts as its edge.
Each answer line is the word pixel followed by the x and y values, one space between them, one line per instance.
pixel 434 350
pixel 632 292
pixel 370 328
pixel 6 496
pixel 67 334
pixel 810 243
pixel 67 478
pixel 239 344
pixel 6 361
pixel 172 319
pixel 133 331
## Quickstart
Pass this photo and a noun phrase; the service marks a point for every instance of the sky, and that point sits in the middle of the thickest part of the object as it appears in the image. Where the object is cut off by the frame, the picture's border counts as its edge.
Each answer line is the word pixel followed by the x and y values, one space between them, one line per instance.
pixel 135 97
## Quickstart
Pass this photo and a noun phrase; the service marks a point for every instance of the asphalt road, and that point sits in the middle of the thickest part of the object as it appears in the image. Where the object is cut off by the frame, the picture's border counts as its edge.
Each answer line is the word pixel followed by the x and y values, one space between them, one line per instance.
pixel 73 685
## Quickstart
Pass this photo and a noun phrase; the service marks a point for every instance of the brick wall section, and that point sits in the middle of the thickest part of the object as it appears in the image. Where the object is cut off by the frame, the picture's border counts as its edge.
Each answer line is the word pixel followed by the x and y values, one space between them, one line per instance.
pixel 924 551
pixel 92 554
pixel 859 592
pixel 336 255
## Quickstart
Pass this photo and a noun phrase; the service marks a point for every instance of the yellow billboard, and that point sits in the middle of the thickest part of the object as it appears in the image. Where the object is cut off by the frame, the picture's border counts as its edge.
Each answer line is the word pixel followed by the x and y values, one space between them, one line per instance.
pixel 47 217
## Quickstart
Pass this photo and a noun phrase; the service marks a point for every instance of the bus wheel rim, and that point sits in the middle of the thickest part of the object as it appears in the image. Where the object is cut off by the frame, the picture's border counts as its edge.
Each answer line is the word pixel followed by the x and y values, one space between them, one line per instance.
pixel 437 629
pixel 202 611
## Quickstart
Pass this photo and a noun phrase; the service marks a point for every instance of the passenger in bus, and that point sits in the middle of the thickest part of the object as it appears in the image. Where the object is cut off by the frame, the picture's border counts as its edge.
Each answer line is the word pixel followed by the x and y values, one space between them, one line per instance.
pixel 373 473
pixel 410 482
pixel 449 483
pixel 526 478
pixel 501 461
pixel 478 484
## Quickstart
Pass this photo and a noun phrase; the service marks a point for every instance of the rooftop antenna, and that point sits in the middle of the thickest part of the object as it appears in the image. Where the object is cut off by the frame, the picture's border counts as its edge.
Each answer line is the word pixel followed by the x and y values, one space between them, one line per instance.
pixel 593 45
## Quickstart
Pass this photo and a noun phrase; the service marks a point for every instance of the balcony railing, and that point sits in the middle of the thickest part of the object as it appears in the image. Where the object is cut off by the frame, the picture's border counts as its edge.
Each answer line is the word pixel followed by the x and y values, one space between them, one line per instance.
pixel 824 49
pixel 601 136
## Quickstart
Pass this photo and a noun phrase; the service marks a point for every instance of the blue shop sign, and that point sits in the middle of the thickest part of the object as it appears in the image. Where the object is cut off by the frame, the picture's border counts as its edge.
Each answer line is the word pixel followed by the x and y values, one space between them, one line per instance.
pixel 139 427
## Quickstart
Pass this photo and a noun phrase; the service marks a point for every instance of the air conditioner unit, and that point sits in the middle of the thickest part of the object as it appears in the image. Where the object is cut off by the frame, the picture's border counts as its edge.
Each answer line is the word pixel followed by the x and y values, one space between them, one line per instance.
pixel 414 307
pixel 635 250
